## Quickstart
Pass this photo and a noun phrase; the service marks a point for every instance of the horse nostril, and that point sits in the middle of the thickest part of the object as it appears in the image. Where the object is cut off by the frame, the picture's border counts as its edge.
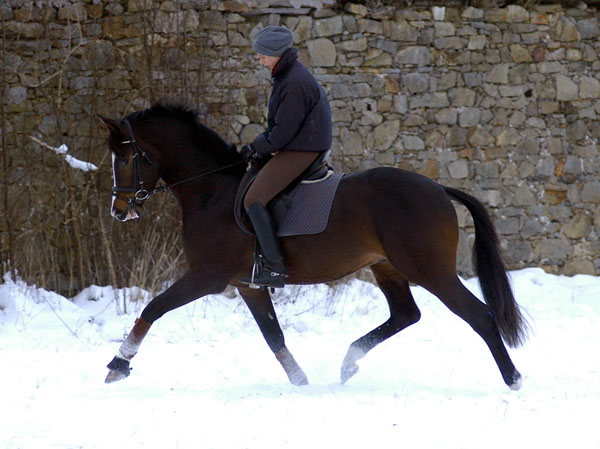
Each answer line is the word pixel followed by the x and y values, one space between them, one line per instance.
pixel 119 215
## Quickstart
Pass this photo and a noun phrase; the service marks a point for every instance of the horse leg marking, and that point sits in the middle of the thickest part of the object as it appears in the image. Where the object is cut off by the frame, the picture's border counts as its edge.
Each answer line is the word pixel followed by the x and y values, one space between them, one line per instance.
pixel 260 305
pixel 291 368
pixel 403 313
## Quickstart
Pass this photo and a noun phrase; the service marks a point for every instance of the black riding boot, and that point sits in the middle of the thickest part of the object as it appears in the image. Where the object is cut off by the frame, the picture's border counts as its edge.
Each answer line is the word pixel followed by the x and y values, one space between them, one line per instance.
pixel 272 273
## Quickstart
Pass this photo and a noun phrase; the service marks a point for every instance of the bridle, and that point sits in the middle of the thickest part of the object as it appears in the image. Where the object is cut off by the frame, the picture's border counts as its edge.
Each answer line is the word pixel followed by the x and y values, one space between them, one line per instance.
pixel 140 193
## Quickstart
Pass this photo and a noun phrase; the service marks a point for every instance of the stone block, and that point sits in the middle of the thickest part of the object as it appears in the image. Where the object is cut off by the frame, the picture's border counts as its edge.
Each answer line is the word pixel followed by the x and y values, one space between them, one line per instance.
pixel 400 104
pixel 479 137
pixel 356 9
pixel 303 30
pixel 436 100
pixel 579 266
pixel 450 43
pixel 456 137
pixel 351 142
pixel 498 74
pixel 370 118
pixel 516 14
pixel 359 45
pixel 589 87
pixel 417 55
pixel 577 131
pixel 539 18
pixel 566 88
pixel 496 15
pixel 75 12
pixel 16 95
pixel 250 132
pixel 416 82
pixel 524 196
pixel 459 169
pixel 508 137
pixel 563 29
pixel 545 167
pixel 531 227
pixel 468 117
pixel 413 143
pixel 444 29
pixel 507 225
pixel 360 90
pixel 477 42
pixel 549 107
pixel 551 67
pixel 446 116
pixel 328 27
pixel 385 134
pixel 471 13
pixel 553 249
pixel 591 192
pixel 462 97
pixel 400 31
pixel 370 26
pixel 322 52
pixel 340 90
pixel 25 30
pixel 520 54
pixel 579 227
pixel 588 28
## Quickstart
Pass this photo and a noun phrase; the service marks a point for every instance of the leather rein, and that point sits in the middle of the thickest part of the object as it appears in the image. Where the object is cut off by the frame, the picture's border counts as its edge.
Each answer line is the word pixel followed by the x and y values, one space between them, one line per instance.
pixel 141 194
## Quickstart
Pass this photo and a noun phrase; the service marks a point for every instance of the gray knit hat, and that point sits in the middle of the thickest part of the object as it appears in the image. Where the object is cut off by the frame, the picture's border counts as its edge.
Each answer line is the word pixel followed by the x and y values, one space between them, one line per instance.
pixel 273 41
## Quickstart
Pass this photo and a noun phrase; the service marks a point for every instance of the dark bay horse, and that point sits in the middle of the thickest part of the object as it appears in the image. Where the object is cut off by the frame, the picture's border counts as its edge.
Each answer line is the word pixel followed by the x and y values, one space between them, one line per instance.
pixel 400 224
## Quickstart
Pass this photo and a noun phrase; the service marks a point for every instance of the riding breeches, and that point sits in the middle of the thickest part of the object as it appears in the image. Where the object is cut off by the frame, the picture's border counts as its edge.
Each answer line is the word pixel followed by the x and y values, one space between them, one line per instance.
pixel 277 174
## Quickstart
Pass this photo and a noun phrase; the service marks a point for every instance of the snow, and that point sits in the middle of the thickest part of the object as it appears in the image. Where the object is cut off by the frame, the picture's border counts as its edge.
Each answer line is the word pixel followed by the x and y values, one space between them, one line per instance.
pixel 62 150
pixel 204 377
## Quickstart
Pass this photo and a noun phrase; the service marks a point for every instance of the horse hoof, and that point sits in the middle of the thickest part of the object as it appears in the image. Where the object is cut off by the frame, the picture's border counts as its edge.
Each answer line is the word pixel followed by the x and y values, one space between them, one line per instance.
pixel 118 370
pixel 347 372
pixel 114 376
pixel 517 382
pixel 298 378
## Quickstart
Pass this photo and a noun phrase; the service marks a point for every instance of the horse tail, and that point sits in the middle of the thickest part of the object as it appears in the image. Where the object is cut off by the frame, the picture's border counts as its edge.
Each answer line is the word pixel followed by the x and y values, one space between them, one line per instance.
pixel 491 271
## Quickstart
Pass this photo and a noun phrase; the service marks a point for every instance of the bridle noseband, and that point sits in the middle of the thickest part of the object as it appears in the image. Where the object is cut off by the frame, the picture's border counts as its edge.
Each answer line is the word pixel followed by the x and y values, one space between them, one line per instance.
pixel 140 193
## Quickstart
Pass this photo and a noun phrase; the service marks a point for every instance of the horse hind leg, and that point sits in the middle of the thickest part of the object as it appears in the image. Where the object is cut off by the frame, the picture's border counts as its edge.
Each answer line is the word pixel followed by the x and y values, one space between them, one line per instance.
pixel 403 313
pixel 464 304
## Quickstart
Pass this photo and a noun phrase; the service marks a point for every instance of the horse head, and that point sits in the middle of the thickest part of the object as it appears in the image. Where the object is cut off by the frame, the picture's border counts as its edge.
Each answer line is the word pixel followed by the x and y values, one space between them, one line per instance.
pixel 135 173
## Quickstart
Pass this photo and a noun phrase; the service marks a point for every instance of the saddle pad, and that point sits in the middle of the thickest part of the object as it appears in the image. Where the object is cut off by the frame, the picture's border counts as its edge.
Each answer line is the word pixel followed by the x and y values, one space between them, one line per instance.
pixel 309 209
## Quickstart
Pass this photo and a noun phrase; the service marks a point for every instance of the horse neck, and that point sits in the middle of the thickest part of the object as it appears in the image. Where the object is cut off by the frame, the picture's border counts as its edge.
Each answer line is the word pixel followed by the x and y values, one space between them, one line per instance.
pixel 203 191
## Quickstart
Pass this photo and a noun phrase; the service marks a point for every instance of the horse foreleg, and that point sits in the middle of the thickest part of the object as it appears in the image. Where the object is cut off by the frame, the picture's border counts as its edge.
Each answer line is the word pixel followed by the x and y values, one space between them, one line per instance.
pixel 403 313
pixel 260 305
pixel 190 287
pixel 119 366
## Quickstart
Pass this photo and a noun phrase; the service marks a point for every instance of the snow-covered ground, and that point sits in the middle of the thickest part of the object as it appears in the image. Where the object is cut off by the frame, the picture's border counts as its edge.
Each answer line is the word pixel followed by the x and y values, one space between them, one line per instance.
pixel 205 378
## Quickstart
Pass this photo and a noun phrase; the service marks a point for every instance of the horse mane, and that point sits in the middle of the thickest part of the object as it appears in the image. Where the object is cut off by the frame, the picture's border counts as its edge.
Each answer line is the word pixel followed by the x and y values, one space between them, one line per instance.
pixel 205 137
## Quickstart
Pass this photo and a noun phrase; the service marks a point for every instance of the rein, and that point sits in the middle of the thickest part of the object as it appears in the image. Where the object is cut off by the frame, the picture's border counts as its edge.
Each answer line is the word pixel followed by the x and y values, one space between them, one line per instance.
pixel 141 194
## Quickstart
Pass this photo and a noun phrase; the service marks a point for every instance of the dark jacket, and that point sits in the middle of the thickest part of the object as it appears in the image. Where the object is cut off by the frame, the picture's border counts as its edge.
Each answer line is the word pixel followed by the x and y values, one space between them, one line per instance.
pixel 299 114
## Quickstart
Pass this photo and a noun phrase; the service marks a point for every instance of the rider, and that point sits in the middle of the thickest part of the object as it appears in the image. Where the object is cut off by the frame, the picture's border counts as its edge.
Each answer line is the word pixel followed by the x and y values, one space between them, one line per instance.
pixel 298 131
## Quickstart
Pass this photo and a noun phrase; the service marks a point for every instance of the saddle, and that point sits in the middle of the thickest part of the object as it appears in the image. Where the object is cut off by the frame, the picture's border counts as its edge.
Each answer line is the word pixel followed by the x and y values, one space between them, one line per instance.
pixel 278 207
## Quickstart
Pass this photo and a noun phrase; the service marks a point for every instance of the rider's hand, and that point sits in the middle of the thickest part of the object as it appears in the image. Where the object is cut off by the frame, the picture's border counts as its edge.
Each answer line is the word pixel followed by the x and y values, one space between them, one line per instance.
pixel 247 152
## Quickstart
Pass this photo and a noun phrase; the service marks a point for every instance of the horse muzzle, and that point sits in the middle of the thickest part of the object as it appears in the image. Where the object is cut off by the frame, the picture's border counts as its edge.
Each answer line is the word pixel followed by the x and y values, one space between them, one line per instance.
pixel 127 206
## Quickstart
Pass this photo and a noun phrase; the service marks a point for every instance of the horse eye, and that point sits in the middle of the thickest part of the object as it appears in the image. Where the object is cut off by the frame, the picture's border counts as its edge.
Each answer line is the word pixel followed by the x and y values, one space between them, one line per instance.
pixel 124 162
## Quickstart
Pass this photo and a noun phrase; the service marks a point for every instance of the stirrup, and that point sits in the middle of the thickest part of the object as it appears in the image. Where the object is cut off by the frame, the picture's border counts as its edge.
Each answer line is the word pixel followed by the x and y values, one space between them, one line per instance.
pixel 264 278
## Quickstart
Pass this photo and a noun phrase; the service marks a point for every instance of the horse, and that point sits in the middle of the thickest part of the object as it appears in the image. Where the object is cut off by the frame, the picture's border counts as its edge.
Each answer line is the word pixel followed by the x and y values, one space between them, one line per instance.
pixel 400 224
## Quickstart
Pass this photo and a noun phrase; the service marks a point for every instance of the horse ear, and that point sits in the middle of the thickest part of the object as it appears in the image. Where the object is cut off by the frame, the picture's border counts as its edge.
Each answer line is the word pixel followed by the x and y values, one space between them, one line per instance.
pixel 111 124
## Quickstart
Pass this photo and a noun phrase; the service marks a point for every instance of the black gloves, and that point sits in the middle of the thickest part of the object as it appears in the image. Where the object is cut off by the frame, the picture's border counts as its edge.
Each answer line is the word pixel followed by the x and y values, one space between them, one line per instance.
pixel 247 152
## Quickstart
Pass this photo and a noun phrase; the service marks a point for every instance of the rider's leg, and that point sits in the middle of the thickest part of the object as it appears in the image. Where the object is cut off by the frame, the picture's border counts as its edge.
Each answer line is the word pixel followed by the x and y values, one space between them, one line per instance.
pixel 275 176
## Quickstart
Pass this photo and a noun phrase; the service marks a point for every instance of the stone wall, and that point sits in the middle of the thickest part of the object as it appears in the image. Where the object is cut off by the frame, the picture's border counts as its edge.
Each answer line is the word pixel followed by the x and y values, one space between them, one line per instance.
pixel 502 103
